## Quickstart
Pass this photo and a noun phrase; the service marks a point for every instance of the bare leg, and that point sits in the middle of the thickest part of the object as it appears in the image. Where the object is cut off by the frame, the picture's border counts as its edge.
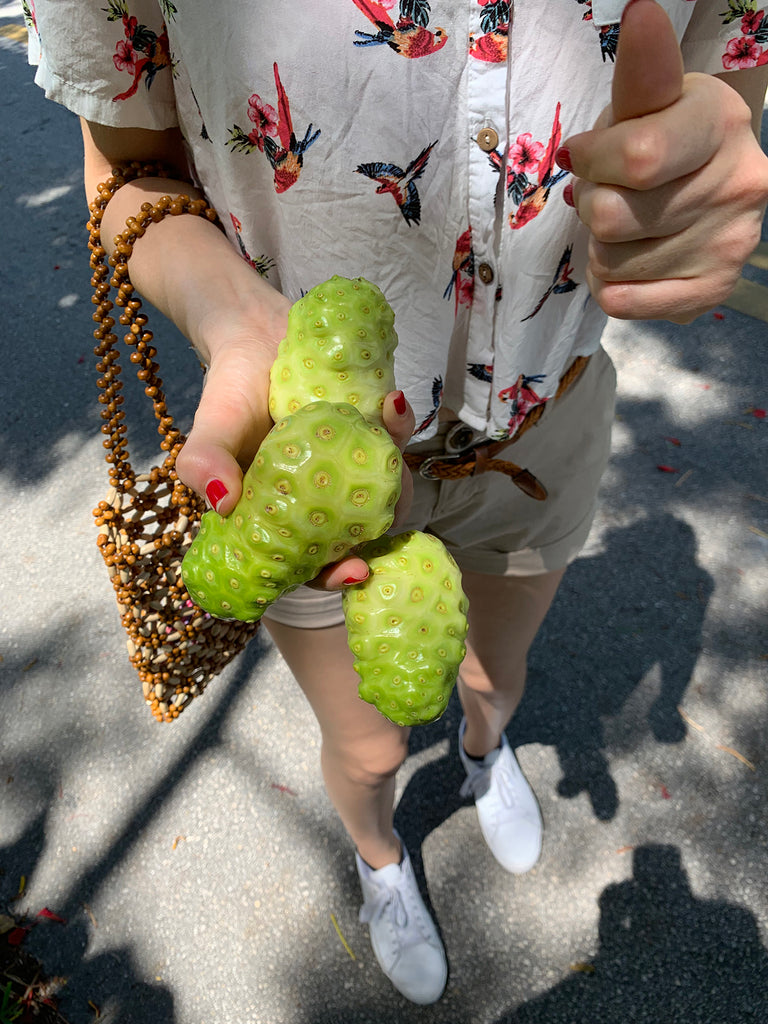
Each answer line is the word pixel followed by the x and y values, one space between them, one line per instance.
pixel 361 749
pixel 505 613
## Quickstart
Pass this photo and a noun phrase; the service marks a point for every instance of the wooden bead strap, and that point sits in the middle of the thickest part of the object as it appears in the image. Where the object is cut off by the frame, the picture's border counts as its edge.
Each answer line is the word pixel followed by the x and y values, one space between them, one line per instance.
pixel 147 521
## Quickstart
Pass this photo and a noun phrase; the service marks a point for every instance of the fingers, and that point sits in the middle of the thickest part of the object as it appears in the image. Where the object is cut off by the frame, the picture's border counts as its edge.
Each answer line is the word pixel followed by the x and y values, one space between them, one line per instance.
pixel 230 422
pixel 615 214
pixel 679 300
pixel 341 574
pixel 398 418
pixel 648 75
pixel 655 149
pixel 669 181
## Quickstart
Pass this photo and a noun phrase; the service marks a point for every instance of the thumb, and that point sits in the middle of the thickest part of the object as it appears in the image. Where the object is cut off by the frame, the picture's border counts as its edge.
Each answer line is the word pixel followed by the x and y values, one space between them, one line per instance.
pixel 649 65
pixel 230 422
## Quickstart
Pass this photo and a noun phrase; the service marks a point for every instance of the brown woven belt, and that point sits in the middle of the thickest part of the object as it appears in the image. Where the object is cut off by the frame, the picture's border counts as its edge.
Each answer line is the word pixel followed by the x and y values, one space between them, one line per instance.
pixel 481 458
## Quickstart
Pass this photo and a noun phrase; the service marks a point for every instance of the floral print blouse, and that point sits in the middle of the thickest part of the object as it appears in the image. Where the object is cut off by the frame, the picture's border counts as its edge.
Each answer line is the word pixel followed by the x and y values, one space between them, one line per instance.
pixel 408 141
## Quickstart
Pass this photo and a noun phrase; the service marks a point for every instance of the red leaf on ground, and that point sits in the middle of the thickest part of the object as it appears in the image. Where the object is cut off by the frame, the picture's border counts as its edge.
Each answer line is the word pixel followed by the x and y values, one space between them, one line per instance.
pixel 719 316
pixel 759 413
pixel 16 936
pixel 668 469
pixel 673 440
pixel 50 916
pixel 283 789
pixel 665 793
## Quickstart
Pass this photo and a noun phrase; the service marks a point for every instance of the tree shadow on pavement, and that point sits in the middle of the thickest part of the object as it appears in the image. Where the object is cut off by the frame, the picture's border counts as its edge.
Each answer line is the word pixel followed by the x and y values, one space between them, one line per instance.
pixel 663 955
pixel 110 978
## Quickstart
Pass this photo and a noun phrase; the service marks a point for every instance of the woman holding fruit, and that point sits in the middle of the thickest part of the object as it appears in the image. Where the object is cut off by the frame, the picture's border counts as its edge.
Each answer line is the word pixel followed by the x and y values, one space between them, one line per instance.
pixel 507 183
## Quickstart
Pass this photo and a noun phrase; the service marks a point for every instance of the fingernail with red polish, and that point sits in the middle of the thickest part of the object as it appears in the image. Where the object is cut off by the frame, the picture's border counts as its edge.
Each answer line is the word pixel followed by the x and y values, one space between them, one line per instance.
pixel 568 194
pixel 215 492
pixel 351 580
pixel 399 403
pixel 563 158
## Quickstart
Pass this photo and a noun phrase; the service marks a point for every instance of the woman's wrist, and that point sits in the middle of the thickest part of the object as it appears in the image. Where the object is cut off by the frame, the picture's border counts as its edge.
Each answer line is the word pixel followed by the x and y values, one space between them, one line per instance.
pixel 187 267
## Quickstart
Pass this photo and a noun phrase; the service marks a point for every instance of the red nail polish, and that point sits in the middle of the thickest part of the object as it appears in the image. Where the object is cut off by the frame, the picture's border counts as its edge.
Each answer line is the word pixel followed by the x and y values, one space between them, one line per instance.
pixel 350 581
pixel 568 194
pixel 563 159
pixel 399 403
pixel 215 491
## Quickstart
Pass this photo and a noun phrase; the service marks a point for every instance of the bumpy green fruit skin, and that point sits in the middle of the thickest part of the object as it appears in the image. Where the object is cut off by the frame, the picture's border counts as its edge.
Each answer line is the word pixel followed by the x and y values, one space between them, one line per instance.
pixel 406 626
pixel 323 481
pixel 339 347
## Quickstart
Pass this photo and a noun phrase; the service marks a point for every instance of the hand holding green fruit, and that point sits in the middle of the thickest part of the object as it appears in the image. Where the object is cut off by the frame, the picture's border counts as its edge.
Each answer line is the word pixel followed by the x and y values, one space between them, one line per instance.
pixel 324 481
pixel 327 476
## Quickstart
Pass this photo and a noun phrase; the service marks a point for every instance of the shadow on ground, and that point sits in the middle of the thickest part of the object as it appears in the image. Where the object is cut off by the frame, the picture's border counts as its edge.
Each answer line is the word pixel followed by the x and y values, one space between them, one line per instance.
pixel 110 978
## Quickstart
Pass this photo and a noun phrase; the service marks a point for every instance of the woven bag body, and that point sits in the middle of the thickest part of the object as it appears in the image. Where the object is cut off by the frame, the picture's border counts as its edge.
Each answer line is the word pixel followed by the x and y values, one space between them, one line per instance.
pixel 147 521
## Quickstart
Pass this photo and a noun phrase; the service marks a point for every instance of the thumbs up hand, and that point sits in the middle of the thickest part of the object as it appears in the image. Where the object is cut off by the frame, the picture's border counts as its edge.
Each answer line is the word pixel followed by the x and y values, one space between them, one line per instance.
pixel 671 181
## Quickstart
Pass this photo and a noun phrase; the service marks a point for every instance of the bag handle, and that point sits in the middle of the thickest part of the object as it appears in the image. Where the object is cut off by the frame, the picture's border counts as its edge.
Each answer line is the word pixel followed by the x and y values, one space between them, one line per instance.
pixel 121 473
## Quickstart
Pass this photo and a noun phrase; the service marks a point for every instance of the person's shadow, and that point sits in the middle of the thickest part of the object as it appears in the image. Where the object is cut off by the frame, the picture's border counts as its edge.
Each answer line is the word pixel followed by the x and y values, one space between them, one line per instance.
pixel 626 623
pixel 664 956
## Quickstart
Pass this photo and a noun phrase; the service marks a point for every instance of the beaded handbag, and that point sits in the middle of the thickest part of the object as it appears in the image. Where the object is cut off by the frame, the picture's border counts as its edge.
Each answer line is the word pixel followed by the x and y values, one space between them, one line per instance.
pixel 146 521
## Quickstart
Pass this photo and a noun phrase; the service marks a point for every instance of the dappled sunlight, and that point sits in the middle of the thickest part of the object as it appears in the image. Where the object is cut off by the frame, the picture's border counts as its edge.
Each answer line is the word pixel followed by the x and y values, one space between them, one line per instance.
pixel 44 197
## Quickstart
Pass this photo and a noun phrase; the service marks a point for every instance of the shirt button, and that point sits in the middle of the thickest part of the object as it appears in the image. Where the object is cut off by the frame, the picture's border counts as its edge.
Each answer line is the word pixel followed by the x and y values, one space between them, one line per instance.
pixel 485 273
pixel 487 139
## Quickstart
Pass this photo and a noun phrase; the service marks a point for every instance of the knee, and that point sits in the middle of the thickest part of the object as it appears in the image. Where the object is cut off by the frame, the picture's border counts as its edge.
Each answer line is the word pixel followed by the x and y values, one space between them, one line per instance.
pixel 366 761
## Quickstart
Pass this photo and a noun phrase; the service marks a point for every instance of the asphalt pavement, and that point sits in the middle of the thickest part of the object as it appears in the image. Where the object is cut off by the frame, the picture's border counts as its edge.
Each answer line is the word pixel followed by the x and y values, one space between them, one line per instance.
pixel 201 871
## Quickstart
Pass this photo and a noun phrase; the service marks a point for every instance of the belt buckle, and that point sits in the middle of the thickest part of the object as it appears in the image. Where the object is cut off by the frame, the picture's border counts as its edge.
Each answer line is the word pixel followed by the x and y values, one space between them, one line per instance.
pixel 426 466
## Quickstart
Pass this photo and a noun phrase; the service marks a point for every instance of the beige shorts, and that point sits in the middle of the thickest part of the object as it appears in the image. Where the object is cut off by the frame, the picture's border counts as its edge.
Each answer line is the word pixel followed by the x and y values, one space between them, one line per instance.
pixel 486 522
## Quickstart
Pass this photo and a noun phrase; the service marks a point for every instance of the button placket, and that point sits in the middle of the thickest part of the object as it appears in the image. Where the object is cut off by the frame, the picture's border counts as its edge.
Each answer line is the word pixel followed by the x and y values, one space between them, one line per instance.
pixel 486 106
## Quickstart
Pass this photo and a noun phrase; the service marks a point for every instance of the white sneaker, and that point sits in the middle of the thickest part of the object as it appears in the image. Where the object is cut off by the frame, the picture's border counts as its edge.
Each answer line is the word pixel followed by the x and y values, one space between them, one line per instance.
pixel 509 815
pixel 403 934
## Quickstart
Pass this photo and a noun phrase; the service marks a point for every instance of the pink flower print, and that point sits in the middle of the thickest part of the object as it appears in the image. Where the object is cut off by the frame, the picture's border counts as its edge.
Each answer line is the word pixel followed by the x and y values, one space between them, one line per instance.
pixel 524 155
pixel 743 53
pixel 264 116
pixel 125 56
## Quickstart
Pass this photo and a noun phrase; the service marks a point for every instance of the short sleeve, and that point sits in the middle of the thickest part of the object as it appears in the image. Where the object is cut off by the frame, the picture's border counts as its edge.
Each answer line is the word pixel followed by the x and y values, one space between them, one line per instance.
pixel 108 61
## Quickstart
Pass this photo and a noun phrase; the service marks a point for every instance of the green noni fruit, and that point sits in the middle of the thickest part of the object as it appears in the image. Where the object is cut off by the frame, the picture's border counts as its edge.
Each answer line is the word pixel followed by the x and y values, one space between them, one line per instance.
pixel 324 480
pixel 339 347
pixel 406 626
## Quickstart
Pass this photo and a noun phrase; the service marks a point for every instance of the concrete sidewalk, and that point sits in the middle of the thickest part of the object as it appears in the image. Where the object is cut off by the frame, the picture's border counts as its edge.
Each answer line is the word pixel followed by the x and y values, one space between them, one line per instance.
pixel 199 865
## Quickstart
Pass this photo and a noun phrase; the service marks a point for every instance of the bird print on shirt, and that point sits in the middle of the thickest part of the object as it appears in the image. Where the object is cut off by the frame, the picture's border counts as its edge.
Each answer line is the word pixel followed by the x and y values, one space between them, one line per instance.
pixel 261 264
pixel 522 398
pixel 408 36
pixel 274 136
pixel 437 397
pixel 462 282
pixel 491 46
pixel 481 371
pixel 562 282
pixel 608 35
pixel 533 196
pixel 399 183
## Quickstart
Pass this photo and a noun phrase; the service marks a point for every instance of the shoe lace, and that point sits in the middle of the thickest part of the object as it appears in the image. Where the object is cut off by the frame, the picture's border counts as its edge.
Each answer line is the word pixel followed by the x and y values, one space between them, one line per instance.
pixel 389 901
pixel 478 782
